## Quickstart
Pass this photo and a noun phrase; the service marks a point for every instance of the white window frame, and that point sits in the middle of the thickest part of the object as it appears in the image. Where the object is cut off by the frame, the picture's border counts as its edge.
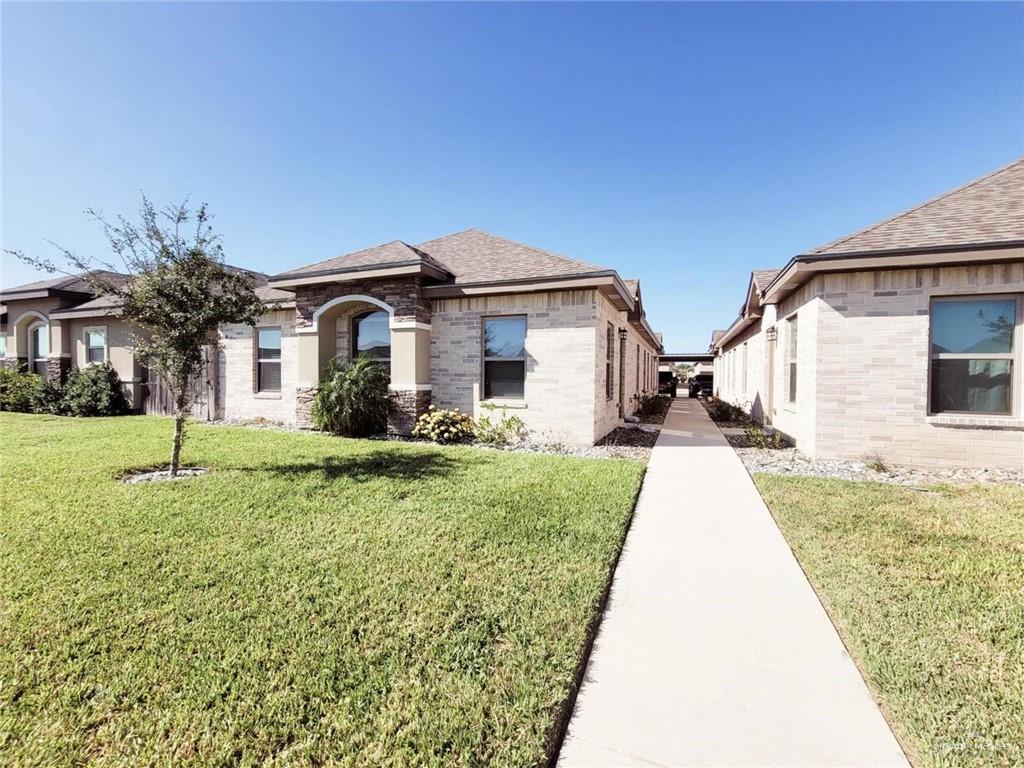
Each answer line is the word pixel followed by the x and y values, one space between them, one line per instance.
pixel 31 346
pixel 1015 356
pixel 106 343
pixel 792 358
pixel 258 387
pixel 485 358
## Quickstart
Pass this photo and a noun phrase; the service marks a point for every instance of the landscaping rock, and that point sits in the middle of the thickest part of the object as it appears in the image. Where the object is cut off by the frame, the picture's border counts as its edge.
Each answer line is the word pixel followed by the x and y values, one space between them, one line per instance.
pixel 163 474
pixel 789 461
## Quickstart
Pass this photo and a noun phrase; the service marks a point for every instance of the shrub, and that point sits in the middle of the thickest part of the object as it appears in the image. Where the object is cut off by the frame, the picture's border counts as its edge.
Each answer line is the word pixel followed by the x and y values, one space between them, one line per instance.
pixel 759 438
pixel 719 410
pixel 443 426
pixel 18 390
pixel 48 398
pixel 353 399
pixel 92 391
pixel 650 404
pixel 506 431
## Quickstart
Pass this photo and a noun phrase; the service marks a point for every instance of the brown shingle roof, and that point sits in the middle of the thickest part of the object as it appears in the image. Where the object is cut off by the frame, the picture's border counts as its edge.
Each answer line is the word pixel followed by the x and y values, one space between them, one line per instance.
pixel 762 277
pixel 987 210
pixel 633 286
pixel 395 252
pixel 72 283
pixel 474 256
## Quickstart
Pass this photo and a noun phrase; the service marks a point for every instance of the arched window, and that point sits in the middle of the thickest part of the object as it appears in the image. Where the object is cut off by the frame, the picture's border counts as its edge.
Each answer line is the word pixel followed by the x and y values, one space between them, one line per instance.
pixel 371 335
pixel 38 347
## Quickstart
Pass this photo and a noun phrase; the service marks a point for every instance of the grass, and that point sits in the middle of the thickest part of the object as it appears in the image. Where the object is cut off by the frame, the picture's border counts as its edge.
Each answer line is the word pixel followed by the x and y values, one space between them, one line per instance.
pixel 927 590
pixel 313 600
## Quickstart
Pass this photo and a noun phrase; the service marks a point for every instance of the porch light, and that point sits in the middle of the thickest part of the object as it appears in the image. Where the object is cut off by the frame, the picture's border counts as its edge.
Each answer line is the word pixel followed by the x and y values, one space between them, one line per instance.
pixel 622 334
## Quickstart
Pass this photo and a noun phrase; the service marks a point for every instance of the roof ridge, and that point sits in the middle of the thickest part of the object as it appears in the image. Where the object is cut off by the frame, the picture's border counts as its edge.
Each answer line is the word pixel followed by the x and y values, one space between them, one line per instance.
pixel 533 248
pixel 919 206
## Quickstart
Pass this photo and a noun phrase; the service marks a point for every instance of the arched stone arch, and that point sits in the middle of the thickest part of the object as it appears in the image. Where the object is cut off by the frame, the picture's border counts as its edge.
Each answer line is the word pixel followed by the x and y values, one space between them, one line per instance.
pixel 350 298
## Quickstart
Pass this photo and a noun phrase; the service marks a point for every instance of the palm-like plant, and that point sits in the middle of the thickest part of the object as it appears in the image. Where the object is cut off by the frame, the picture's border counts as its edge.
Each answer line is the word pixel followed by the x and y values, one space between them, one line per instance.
pixel 353 398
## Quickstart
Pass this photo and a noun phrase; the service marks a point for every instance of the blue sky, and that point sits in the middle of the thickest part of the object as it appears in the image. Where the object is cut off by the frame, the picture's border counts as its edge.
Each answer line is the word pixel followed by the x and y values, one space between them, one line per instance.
pixel 682 144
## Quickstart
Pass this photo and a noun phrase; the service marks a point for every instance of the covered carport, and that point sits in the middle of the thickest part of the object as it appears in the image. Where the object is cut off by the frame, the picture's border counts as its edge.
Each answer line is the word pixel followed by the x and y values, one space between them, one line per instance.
pixel 703 366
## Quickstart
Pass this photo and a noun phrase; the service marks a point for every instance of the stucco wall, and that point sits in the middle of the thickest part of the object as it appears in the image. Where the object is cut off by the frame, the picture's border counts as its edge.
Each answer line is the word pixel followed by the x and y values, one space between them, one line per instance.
pixel 237 372
pixel 559 359
pixel 119 352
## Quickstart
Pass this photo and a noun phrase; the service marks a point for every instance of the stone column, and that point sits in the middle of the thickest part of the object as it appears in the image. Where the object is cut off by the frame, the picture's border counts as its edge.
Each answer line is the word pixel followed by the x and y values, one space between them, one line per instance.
pixel 58 361
pixel 308 379
pixel 410 373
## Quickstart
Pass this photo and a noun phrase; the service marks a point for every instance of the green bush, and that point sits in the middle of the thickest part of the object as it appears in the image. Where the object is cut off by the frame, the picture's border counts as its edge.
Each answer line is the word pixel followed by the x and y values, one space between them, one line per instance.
pixel 48 397
pixel 650 404
pixel 719 410
pixel 444 426
pixel 18 390
pixel 94 390
pixel 353 399
pixel 505 431
pixel 759 438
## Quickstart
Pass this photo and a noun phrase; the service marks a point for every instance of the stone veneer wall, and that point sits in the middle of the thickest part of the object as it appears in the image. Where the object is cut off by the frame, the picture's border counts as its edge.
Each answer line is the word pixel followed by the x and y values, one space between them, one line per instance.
pixel 863 370
pixel 558 405
pixel 405 296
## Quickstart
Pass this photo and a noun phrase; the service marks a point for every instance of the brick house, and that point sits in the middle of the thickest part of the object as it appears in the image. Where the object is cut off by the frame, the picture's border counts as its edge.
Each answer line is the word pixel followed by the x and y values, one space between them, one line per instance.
pixel 902 340
pixel 462 321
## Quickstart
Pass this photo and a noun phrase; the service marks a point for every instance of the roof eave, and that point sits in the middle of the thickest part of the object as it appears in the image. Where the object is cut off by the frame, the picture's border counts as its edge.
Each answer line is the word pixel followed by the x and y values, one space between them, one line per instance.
pixel 363 272
pixel 802 267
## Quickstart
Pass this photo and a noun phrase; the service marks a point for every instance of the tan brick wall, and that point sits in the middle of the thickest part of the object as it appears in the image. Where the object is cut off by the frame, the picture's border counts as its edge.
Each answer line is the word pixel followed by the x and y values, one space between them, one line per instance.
pixel 863 369
pixel 607 416
pixel 559 359
pixel 237 371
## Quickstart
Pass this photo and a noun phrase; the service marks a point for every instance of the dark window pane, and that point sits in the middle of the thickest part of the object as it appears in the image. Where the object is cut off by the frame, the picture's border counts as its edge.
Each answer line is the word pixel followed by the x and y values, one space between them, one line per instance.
pixel 269 377
pixel 94 354
pixel 269 344
pixel 976 386
pixel 504 378
pixel 39 366
pixel 973 326
pixel 505 337
pixel 792 382
pixel 371 335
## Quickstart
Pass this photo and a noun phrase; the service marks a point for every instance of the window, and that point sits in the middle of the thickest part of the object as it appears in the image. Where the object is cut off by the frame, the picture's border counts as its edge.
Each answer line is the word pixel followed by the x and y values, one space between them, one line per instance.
pixel 268 359
pixel 972 354
pixel 504 357
pixel 743 368
pixel 609 362
pixel 791 352
pixel 371 335
pixel 636 379
pixel 39 347
pixel 3 345
pixel 96 344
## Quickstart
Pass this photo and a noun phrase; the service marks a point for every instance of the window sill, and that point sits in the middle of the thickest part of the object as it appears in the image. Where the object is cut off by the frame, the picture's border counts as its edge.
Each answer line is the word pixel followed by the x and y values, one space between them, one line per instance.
pixel 267 395
pixel 502 403
pixel 976 422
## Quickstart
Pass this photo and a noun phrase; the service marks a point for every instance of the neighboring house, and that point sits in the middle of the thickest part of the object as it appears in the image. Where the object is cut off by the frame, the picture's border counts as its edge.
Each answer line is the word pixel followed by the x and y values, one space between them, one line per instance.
pixel 462 321
pixel 903 339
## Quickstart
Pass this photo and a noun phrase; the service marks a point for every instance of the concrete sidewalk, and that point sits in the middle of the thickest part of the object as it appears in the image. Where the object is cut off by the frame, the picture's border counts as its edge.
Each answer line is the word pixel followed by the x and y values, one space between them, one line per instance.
pixel 714 649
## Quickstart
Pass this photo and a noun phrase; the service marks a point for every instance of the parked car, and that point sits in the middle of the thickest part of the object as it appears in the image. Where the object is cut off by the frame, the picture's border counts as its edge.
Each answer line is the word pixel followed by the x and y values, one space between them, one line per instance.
pixel 702 385
pixel 667 383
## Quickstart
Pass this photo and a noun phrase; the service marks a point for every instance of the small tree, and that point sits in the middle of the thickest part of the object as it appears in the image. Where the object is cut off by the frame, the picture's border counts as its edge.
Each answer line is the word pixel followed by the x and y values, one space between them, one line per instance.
pixel 172 288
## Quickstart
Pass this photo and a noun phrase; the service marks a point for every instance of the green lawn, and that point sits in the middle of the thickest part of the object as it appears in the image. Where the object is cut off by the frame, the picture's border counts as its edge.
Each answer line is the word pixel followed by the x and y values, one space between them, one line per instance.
pixel 927 590
pixel 313 600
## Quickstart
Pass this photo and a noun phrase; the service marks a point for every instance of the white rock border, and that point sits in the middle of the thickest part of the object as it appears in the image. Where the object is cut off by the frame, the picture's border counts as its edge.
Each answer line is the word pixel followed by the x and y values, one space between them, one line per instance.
pixel 163 475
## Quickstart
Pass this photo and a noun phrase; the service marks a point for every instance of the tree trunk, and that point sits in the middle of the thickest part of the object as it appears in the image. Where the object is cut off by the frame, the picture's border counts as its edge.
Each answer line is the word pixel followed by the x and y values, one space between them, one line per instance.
pixel 181 401
pixel 179 433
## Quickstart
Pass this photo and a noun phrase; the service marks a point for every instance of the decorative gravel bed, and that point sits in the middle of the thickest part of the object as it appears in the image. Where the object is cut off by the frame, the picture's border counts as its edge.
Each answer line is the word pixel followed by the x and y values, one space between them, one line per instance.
pixel 789 461
pixel 163 475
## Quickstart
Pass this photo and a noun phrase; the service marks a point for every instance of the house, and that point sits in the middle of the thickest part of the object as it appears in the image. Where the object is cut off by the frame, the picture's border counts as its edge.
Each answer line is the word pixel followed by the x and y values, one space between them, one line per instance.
pixel 901 340
pixel 463 321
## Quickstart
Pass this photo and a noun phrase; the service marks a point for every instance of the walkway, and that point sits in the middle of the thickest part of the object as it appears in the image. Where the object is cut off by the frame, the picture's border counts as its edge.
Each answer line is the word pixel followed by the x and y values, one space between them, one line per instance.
pixel 714 649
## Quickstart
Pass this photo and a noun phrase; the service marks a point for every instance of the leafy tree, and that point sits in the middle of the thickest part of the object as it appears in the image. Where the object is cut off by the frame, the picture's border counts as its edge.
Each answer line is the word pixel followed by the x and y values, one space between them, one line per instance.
pixel 172 288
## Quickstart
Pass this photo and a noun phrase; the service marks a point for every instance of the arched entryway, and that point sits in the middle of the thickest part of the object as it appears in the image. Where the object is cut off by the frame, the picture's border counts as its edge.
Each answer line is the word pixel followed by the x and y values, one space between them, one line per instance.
pixel 352 324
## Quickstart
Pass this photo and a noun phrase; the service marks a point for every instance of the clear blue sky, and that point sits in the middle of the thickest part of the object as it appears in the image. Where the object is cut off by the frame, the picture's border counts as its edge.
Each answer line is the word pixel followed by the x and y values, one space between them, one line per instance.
pixel 682 144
